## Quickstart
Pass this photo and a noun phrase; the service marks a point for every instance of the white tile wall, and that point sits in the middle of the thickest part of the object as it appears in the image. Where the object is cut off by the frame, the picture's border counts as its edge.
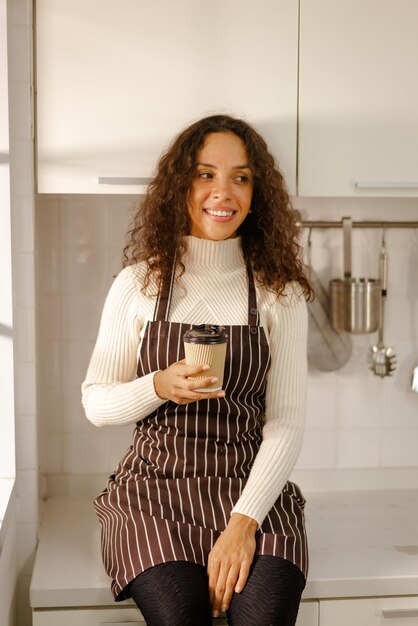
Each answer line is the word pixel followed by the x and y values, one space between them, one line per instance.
pixel 23 283
pixel 79 243
pixel 26 435
pixel 366 413
pixel 354 420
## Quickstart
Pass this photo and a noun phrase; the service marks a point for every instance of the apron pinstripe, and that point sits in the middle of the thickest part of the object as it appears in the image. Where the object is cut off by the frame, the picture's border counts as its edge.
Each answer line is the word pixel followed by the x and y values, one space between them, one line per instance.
pixel 172 493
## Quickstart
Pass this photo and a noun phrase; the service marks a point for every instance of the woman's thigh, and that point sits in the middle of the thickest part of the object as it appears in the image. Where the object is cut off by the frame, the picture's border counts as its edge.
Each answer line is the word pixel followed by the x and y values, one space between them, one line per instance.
pixel 271 595
pixel 173 594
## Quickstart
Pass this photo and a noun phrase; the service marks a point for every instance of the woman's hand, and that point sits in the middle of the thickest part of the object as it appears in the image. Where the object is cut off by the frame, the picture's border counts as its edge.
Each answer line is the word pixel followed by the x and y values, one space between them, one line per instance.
pixel 230 560
pixel 173 383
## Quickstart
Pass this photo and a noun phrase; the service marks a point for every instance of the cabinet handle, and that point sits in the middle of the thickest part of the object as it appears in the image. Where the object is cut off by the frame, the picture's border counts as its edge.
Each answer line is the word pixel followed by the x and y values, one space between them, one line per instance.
pixel 389 613
pixel 413 184
pixel 123 180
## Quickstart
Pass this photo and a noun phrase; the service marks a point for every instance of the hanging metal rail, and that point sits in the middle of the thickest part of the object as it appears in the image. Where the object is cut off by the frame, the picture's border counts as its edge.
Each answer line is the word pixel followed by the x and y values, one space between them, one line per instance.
pixel 361 224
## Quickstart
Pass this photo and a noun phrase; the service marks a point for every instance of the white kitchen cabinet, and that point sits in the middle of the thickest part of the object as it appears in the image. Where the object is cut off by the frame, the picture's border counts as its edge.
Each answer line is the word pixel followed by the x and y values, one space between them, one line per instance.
pixel 370 612
pixel 125 616
pixel 104 616
pixel 358 102
pixel 308 614
pixel 113 616
pixel 117 80
pixel 110 616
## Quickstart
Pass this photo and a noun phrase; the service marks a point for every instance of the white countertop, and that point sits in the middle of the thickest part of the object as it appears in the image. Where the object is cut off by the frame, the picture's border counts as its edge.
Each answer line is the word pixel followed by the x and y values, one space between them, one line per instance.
pixel 361 543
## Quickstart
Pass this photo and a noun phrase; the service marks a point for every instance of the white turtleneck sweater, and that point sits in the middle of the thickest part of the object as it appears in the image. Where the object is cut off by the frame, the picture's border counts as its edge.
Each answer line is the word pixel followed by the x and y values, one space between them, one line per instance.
pixel 213 290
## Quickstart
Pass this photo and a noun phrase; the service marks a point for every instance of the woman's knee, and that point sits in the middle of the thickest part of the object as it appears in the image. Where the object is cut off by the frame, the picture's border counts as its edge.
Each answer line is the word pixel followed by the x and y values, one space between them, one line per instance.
pixel 173 594
pixel 271 596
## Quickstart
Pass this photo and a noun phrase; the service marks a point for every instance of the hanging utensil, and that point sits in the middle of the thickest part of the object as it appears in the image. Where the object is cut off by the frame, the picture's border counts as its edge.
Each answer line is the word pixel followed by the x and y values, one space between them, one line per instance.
pixel 382 359
pixel 328 349
pixel 355 302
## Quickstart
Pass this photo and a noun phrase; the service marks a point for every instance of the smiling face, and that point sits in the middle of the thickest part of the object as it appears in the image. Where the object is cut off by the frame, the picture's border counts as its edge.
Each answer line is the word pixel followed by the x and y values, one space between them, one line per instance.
pixel 222 188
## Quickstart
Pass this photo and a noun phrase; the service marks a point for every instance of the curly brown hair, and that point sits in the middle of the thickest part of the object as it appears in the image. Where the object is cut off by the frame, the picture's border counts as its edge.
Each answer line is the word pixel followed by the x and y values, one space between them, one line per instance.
pixel 269 234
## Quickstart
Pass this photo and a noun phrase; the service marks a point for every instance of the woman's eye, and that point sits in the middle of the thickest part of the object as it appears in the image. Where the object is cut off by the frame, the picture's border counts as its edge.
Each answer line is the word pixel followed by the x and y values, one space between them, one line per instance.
pixel 242 178
pixel 205 175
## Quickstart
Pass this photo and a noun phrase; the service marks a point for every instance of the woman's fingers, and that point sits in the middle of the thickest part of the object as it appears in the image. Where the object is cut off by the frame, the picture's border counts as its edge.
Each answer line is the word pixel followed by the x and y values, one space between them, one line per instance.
pixel 222 584
pixel 229 587
pixel 243 575
pixel 230 560
pixel 218 587
pixel 174 383
pixel 219 592
pixel 213 573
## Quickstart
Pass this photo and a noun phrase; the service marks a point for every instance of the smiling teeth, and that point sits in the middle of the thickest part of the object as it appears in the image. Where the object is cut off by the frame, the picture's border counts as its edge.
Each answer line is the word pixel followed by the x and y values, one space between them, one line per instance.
pixel 220 213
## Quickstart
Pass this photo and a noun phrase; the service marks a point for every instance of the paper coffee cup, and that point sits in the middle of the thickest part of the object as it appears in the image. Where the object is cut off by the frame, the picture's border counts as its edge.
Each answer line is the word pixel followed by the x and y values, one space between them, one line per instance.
pixel 206 345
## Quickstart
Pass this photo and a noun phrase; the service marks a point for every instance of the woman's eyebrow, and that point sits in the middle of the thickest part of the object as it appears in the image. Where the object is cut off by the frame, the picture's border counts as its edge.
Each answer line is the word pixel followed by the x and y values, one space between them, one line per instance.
pixel 207 165
pixel 245 166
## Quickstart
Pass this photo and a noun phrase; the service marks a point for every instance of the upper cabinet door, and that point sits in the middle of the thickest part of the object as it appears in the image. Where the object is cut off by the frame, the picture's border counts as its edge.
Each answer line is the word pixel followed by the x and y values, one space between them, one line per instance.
pixel 358 106
pixel 116 80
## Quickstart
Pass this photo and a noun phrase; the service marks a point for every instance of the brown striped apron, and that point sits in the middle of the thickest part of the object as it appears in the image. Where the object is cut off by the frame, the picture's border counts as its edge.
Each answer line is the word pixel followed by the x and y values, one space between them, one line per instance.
pixel 172 493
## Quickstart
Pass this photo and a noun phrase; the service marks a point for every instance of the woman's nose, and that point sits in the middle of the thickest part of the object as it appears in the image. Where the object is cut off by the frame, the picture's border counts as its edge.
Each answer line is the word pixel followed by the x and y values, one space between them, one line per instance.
pixel 221 191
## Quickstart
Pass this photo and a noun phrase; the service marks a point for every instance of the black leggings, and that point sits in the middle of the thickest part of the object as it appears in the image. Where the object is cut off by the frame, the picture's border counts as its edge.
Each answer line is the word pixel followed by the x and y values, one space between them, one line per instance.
pixel 176 594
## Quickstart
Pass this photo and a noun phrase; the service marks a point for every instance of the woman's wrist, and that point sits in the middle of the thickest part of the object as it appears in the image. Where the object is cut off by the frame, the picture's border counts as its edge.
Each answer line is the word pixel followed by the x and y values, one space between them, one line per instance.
pixel 244 521
pixel 157 387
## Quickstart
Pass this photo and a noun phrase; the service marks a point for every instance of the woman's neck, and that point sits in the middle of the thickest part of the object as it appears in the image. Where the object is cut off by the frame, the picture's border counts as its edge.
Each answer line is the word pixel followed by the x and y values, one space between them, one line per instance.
pixel 210 254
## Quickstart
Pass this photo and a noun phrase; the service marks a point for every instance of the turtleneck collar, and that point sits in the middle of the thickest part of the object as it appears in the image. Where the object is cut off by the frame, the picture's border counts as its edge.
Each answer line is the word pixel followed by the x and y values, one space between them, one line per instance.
pixel 227 253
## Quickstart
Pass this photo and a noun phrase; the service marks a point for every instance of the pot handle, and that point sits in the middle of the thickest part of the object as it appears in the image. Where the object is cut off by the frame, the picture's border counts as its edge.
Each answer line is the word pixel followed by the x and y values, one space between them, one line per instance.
pixel 347 226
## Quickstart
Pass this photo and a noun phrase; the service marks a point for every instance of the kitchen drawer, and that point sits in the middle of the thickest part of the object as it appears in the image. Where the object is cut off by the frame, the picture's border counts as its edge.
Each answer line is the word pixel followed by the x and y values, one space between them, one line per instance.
pixel 128 616
pixel 308 614
pixel 109 616
pixel 370 612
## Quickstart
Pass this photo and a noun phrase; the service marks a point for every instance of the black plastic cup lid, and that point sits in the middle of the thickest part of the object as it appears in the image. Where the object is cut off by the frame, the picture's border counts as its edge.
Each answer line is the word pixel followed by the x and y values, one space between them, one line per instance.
pixel 206 333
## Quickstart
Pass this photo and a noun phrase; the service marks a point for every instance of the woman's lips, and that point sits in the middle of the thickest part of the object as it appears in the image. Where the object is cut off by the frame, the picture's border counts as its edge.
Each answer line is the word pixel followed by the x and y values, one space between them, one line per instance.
pixel 220 215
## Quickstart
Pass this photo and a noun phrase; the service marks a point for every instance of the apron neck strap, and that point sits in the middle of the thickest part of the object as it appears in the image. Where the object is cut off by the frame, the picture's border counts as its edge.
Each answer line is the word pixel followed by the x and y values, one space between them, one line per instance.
pixel 165 293
pixel 253 316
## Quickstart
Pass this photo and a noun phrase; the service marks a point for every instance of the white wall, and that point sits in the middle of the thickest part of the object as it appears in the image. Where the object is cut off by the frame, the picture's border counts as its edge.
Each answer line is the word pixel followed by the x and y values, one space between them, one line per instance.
pixel 79 246
pixel 7 456
pixel 8 540
pixel 355 419
pixel 24 529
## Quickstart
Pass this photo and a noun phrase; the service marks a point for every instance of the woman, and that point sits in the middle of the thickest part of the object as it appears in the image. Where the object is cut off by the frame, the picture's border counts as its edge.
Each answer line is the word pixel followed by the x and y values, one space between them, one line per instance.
pixel 199 516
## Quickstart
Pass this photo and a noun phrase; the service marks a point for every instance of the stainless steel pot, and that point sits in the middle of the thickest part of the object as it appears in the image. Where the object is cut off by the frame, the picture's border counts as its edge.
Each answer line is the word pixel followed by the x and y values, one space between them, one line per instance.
pixel 355 303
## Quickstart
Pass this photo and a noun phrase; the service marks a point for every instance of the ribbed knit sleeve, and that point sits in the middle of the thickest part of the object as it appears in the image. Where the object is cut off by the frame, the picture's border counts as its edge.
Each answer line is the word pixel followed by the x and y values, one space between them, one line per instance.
pixel 285 409
pixel 111 393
